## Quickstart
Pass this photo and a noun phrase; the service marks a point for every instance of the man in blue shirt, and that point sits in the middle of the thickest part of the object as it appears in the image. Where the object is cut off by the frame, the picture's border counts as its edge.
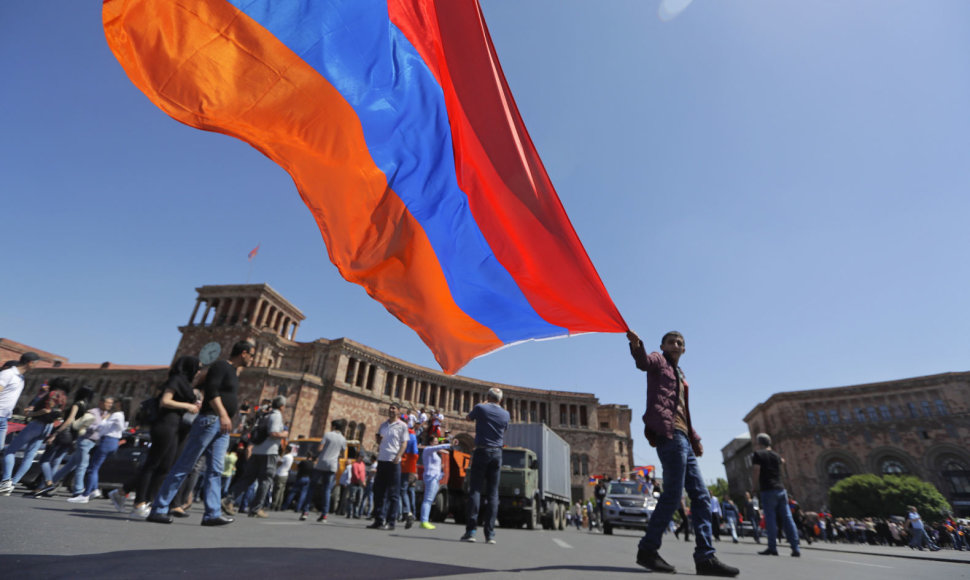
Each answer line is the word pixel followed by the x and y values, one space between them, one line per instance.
pixel 491 422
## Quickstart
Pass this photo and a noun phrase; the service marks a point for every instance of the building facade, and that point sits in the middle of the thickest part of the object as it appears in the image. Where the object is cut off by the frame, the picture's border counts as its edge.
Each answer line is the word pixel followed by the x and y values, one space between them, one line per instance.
pixel 737 466
pixel 326 379
pixel 918 426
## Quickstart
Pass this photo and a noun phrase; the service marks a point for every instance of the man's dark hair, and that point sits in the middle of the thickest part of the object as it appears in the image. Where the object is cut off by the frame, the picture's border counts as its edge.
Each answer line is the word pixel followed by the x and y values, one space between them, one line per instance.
pixel 338 425
pixel 241 347
pixel 279 402
pixel 669 334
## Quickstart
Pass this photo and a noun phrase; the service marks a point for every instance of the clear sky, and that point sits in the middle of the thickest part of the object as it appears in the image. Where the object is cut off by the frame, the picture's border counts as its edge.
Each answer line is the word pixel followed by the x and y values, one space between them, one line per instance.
pixel 784 182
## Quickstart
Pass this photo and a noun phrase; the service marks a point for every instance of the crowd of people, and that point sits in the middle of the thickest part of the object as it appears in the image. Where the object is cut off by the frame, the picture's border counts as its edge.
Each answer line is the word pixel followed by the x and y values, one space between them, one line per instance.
pixel 192 456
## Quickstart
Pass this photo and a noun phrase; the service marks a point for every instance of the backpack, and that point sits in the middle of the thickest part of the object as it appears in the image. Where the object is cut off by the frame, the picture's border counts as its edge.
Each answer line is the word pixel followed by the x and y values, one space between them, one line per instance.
pixel 148 411
pixel 260 432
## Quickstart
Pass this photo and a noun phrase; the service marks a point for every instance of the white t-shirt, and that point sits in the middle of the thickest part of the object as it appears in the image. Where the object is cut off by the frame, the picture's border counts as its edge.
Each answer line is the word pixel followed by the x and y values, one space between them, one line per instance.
pixel 915 521
pixel 11 385
pixel 283 464
pixel 113 426
pixel 393 436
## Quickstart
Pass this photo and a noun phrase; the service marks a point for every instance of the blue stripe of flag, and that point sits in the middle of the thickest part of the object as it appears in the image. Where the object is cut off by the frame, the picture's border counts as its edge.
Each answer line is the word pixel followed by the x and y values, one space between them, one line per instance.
pixel 405 123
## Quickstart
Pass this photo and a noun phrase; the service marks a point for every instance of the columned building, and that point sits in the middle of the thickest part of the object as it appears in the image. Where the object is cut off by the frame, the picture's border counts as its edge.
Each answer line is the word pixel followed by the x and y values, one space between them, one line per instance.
pixel 329 379
pixel 918 426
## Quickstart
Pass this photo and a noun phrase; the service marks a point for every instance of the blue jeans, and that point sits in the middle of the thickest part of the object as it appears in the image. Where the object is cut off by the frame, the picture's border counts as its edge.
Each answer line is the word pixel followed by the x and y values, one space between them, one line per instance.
pixel 29 439
pixel 323 481
pixel 485 470
pixel 430 491
pixel 106 447
pixel 355 500
pixel 407 496
pixel 681 473
pixel 299 492
pixel 78 463
pixel 51 460
pixel 774 502
pixel 3 431
pixel 205 439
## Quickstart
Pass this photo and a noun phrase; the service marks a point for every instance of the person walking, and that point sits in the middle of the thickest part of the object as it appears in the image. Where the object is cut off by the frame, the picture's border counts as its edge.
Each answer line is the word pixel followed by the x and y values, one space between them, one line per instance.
pixel 261 467
pixel 432 476
pixel 60 443
pixel 111 430
pixel 684 526
pixel 328 462
pixel 766 467
pixel 88 436
pixel 48 410
pixel 283 465
pixel 409 476
pixel 917 531
pixel 11 385
pixel 208 437
pixel 392 439
pixel 175 399
pixel 358 478
pixel 716 518
pixel 491 422
pixel 730 512
pixel 667 426
pixel 753 515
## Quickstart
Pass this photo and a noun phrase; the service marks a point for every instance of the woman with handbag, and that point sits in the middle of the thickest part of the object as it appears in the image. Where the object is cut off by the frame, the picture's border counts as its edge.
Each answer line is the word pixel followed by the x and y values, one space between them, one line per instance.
pixel 60 443
pixel 175 399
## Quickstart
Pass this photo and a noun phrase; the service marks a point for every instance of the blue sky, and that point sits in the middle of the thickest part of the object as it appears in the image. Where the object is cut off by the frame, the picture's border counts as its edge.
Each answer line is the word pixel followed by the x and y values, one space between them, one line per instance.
pixel 784 182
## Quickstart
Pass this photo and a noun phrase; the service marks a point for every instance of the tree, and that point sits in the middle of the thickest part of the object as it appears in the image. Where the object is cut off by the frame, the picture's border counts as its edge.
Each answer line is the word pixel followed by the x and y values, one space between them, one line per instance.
pixel 874 496
pixel 719 488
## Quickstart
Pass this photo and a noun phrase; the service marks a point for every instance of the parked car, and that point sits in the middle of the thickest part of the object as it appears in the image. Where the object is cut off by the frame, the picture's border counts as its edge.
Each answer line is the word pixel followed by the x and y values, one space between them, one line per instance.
pixel 626 505
pixel 124 464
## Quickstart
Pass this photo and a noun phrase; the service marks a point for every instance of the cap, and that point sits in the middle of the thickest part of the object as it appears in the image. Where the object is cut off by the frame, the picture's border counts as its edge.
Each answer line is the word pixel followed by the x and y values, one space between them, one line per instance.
pixel 29 357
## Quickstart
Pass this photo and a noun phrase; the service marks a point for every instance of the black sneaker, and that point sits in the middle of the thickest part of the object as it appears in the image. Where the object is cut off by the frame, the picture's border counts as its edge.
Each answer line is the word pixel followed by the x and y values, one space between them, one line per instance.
pixel 652 561
pixel 714 567
pixel 769 552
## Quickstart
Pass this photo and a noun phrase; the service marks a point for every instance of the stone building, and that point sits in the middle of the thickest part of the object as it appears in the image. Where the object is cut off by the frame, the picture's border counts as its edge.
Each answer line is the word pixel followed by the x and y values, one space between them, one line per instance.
pixel 918 426
pixel 326 379
pixel 737 466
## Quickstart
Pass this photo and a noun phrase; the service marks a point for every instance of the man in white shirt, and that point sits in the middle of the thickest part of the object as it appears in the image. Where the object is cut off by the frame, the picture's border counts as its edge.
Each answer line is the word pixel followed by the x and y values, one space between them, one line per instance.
pixel 392 439
pixel 11 385
pixel 283 466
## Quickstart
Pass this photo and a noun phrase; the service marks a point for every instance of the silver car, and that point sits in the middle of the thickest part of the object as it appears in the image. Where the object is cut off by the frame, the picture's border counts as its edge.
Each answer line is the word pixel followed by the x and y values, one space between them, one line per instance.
pixel 627 505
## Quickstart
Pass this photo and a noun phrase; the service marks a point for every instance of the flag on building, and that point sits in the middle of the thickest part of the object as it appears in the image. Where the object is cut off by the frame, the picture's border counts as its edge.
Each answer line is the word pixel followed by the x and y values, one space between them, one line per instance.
pixel 396 123
pixel 253 252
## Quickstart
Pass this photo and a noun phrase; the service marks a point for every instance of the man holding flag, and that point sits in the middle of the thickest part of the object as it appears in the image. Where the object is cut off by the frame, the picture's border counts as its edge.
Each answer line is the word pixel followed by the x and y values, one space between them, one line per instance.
pixel 667 427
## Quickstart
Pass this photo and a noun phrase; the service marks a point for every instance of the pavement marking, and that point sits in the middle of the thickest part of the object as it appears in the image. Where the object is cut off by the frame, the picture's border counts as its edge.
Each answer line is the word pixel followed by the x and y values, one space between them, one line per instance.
pixel 861 564
pixel 561 543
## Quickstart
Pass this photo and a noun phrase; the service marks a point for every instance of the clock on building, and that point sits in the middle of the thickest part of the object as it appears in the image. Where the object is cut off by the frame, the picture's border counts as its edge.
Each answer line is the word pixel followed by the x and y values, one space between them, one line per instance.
pixel 209 353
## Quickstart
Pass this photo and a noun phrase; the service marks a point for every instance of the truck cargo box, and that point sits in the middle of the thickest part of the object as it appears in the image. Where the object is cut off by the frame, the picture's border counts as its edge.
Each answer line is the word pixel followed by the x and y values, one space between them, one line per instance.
pixel 552 452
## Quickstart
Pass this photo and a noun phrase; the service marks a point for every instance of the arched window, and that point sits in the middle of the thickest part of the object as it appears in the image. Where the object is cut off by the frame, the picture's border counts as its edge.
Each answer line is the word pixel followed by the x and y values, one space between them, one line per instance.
pixel 576 466
pixel 360 431
pixel 837 471
pixel 958 476
pixel 892 467
pixel 585 460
